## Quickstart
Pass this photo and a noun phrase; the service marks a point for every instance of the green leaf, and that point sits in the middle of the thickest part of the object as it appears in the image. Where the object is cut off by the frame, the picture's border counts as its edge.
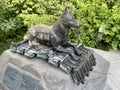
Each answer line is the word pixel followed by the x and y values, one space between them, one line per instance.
pixel 115 44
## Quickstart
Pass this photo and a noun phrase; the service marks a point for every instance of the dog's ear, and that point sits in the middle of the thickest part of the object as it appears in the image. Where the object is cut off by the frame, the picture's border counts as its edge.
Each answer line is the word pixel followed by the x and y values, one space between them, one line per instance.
pixel 70 10
pixel 66 11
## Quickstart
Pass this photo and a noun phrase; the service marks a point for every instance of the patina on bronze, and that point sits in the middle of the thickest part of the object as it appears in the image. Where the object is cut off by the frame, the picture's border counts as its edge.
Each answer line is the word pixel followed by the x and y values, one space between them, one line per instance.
pixel 51 43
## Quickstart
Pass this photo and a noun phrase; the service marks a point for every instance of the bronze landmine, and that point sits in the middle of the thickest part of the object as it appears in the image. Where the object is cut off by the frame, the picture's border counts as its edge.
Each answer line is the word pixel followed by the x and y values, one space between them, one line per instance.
pixel 51 43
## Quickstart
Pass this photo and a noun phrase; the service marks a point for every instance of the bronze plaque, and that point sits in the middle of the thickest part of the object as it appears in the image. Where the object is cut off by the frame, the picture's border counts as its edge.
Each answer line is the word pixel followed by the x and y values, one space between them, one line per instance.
pixel 16 80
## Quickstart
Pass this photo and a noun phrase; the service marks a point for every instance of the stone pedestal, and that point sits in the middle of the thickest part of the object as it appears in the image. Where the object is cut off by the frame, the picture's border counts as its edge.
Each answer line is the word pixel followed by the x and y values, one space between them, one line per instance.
pixel 20 73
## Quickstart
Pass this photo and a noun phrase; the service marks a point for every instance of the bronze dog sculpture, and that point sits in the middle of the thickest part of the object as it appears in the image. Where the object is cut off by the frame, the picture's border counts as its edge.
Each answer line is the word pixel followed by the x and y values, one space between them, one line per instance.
pixel 50 43
pixel 56 35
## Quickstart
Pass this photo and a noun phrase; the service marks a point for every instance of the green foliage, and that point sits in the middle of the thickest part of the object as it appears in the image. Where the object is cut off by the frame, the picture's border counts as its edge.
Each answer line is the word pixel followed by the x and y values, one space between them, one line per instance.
pixel 18 15
pixel 12 27
pixel 112 29
pixel 94 15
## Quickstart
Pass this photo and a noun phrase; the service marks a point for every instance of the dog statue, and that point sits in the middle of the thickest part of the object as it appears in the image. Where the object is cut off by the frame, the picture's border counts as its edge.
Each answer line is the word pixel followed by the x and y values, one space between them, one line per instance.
pixel 57 34
pixel 78 62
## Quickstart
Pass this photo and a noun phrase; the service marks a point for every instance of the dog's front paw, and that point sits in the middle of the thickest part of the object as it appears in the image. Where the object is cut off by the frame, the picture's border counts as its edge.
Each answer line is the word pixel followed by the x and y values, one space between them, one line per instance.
pixel 74 56
pixel 77 52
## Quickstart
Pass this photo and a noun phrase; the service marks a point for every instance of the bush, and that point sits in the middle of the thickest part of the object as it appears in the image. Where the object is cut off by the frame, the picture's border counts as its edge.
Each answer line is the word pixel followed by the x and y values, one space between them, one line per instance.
pixel 112 28
pixel 12 27
pixel 95 15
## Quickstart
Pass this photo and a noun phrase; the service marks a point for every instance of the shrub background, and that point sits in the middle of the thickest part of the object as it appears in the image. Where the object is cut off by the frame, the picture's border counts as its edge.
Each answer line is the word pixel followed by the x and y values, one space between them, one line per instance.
pixel 18 15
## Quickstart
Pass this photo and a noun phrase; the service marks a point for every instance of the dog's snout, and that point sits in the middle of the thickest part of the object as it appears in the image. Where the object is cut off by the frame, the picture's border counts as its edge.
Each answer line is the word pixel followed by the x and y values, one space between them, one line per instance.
pixel 74 24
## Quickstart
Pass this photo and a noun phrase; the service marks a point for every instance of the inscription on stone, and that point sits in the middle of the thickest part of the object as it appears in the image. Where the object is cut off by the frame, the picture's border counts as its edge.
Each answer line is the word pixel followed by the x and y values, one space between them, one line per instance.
pixel 16 80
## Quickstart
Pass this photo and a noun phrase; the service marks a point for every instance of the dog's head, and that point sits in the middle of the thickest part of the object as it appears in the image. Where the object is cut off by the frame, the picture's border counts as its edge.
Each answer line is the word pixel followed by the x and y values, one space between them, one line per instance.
pixel 68 19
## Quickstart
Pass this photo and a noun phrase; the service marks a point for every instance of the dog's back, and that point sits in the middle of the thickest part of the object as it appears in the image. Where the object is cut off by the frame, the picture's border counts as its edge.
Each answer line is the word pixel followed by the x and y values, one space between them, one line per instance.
pixel 40 32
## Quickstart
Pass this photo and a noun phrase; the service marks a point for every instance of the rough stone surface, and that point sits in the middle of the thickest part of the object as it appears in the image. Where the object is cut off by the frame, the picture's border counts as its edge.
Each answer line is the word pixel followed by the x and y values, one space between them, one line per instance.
pixel 50 77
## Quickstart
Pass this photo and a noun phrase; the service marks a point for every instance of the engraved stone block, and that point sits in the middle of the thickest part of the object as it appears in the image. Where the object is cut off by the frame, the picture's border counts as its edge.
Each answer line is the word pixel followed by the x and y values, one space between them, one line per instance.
pixel 16 80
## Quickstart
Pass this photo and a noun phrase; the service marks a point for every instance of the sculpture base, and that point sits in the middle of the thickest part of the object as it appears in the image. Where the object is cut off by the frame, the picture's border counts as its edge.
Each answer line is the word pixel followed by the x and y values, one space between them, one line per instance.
pixel 43 76
pixel 78 67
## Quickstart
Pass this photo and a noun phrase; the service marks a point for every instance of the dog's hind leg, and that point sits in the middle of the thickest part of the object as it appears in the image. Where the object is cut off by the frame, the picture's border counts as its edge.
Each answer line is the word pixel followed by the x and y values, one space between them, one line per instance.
pixel 57 46
pixel 62 50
